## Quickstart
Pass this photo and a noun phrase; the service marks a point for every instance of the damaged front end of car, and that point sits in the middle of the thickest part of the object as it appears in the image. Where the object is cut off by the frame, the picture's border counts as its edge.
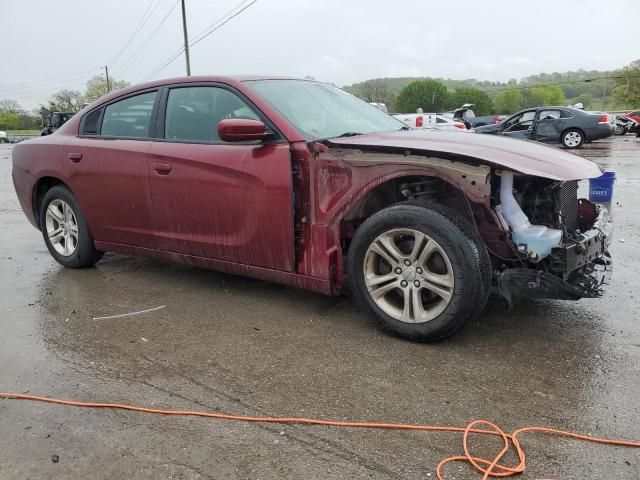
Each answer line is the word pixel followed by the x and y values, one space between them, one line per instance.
pixel 561 242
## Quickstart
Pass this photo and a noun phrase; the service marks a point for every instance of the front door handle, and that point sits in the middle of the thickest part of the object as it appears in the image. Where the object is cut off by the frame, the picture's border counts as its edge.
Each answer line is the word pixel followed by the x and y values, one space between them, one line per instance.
pixel 162 168
pixel 75 157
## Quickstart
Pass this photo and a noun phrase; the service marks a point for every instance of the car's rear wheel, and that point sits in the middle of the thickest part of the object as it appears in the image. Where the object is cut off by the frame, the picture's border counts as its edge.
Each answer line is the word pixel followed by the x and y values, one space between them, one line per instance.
pixel 620 130
pixel 572 138
pixel 65 230
pixel 419 270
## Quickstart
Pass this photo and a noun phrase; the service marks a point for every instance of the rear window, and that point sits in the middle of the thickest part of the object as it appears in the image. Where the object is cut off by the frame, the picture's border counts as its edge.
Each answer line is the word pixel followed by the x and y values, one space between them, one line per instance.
pixel 129 117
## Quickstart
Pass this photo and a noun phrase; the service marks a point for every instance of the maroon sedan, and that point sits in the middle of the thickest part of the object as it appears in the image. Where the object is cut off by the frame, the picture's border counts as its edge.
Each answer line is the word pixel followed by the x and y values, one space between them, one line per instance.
pixel 298 182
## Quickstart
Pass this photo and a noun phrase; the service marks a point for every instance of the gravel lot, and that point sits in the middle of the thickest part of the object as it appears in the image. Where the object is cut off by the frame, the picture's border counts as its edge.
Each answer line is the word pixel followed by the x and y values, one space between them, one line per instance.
pixel 250 347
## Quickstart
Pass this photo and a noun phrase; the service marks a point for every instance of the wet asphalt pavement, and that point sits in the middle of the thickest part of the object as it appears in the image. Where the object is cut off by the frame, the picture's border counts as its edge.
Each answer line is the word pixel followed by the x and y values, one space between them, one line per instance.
pixel 225 343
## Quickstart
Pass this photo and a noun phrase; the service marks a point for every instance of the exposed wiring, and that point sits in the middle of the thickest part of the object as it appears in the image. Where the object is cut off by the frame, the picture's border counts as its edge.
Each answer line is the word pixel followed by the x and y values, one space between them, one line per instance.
pixel 488 467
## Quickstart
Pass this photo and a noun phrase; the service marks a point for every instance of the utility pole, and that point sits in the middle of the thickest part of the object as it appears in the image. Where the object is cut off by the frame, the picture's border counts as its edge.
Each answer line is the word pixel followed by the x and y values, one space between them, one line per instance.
pixel 186 40
pixel 604 89
pixel 106 71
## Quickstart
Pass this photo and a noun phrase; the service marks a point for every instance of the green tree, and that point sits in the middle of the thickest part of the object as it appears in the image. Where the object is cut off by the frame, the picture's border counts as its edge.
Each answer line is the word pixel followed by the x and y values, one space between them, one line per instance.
pixel 540 96
pixel 430 95
pixel 9 120
pixel 375 90
pixel 97 87
pixel 481 101
pixel 627 92
pixel 586 99
pixel 508 101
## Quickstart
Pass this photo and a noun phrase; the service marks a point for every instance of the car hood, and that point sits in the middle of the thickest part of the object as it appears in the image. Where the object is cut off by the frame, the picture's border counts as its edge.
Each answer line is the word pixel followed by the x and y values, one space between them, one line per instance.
pixel 526 157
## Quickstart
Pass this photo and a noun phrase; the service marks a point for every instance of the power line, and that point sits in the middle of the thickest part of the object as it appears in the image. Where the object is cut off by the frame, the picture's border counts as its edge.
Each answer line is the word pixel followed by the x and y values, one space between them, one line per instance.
pixel 144 45
pixel 567 82
pixel 45 86
pixel 222 24
pixel 141 23
pixel 21 85
pixel 203 34
pixel 164 65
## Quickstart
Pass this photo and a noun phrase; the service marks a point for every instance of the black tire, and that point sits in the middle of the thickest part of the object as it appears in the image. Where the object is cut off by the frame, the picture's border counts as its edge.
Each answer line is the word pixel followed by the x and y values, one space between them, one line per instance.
pixel 466 252
pixel 573 133
pixel 85 253
pixel 621 130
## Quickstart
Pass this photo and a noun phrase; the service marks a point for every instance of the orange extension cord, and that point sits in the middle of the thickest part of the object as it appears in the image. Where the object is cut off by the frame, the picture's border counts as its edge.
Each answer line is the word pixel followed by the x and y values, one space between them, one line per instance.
pixel 488 468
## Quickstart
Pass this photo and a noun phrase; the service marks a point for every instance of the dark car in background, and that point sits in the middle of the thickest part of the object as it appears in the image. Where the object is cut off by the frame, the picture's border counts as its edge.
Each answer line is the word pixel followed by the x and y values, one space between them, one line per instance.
pixel 566 125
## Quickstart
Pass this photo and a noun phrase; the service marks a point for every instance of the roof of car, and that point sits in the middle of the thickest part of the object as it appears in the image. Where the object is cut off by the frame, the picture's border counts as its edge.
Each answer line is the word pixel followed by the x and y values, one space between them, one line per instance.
pixel 227 79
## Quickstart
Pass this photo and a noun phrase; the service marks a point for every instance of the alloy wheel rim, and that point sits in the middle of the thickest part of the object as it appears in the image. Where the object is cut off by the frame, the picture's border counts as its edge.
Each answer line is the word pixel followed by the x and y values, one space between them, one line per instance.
pixel 408 275
pixel 62 227
pixel 572 139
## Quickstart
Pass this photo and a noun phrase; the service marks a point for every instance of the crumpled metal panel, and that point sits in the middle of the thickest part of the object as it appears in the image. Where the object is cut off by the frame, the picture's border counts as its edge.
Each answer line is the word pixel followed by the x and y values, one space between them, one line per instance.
pixel 529 158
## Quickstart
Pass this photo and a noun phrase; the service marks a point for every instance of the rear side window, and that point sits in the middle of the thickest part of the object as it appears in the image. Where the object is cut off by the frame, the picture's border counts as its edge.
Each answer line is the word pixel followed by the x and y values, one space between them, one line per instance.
pixel 91 123
pixel 193 113
pixel 549 114
pixel 129 117
pixel 565 114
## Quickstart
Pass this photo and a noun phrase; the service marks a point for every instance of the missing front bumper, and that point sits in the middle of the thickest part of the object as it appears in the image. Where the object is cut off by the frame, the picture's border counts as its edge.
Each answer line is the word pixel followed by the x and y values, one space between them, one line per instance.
pixel 586 282
pixel 578 270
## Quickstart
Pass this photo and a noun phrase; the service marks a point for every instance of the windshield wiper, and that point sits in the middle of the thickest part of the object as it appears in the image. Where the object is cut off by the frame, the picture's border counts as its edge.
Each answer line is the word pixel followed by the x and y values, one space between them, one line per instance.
pixel 349 134
pixel 404 128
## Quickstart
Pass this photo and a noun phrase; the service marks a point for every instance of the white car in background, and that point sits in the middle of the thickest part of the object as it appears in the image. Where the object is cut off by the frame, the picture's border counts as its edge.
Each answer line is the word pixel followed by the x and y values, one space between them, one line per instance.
pixel 431 121
pixel 3 136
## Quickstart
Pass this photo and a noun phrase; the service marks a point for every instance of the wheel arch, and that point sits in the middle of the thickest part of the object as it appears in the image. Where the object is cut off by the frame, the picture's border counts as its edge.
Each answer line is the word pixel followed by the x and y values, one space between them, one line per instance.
pixel 40 189
pixel 579 129
pixel 378 195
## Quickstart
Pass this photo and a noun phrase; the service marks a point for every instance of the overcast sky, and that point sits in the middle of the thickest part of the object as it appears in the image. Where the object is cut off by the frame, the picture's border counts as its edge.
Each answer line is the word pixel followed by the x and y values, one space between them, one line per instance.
pixel 53 44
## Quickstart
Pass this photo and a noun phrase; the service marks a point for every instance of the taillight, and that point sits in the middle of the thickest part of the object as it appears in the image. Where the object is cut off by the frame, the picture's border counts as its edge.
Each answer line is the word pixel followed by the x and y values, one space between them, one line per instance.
pixel 460 125
pixel 604 119
pixel 419 121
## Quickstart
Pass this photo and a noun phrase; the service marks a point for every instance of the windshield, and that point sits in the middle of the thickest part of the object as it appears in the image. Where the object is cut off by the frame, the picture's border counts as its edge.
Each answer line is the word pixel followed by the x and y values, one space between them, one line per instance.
pixel 321 111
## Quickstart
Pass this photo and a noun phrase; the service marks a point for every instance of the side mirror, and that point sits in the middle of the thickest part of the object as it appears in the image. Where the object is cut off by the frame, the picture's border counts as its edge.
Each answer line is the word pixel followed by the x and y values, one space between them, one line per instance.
pixel 241 130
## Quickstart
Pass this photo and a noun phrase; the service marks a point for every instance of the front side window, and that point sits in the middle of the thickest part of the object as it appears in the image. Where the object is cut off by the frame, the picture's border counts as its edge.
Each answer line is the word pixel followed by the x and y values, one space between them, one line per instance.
pixel 320 111
pixel 193 113
pixel 130 117
pixel 513 121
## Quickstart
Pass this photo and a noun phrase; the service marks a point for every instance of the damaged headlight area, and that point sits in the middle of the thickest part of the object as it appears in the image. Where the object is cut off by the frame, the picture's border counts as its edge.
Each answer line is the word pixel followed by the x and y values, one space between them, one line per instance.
pixel 561 241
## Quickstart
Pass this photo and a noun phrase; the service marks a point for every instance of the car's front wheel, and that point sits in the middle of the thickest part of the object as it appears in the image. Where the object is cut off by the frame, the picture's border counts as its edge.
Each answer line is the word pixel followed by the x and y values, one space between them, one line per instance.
pixel 572 138
pixel 65 229
pixel 419 270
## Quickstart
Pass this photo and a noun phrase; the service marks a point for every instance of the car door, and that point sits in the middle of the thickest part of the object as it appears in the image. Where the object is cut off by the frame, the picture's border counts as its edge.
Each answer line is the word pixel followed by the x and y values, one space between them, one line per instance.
pixel 520 126
pixel 225 201
pixel 549 126
pixel 106 168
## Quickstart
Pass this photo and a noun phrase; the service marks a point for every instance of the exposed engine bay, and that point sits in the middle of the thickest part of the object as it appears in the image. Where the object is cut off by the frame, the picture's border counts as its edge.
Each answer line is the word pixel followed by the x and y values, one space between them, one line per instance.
pixel 563 239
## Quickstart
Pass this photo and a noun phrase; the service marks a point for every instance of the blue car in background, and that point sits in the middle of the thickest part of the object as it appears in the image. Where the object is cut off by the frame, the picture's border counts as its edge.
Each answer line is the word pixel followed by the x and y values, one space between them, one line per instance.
pixel 569 126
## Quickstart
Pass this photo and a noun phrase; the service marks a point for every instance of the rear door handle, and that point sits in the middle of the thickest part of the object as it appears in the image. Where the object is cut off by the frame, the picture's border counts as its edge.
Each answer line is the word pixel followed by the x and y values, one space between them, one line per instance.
pixel 162 168
pixel 75 157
